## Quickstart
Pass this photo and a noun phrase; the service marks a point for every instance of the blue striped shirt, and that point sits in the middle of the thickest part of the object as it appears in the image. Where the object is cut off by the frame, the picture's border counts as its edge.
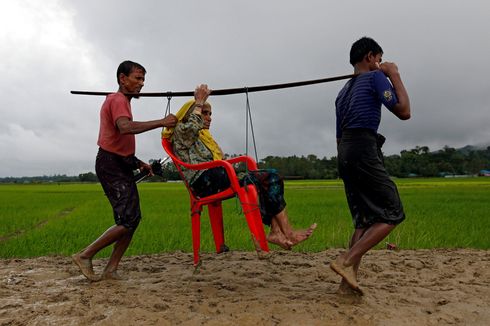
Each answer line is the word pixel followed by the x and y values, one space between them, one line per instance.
pixel 358 104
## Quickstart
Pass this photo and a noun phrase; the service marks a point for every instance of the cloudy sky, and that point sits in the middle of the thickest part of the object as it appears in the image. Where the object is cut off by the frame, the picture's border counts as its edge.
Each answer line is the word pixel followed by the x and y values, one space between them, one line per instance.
pixel 50 47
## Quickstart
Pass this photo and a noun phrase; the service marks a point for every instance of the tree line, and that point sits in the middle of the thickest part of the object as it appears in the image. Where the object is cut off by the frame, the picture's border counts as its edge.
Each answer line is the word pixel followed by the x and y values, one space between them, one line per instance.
pixel 419 161
pixel 448 161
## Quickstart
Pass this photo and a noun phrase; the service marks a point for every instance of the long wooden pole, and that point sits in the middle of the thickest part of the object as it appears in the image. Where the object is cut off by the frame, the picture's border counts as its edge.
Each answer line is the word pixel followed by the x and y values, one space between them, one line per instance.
pixel 227 91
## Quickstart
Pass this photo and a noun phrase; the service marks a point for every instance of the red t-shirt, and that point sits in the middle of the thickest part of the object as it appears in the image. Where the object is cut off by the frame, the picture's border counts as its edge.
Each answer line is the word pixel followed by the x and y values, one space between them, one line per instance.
pixel 110 139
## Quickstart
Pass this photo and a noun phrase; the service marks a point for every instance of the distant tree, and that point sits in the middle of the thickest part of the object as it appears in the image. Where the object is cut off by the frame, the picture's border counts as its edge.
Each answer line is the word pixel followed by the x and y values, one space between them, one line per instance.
pixel 170 172
pixel 88 177
pixel 393 165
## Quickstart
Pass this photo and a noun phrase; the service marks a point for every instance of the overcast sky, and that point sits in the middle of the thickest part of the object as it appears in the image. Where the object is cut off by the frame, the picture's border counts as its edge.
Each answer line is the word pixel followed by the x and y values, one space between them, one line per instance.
pixel 50 47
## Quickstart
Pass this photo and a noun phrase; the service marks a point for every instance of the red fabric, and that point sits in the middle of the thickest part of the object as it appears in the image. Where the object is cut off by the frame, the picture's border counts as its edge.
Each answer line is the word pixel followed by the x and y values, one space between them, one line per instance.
pixel 110 139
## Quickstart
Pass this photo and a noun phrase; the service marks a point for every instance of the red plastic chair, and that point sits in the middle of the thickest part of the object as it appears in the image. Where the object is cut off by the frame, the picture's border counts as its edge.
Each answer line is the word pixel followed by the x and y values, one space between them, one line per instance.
pixel 247 196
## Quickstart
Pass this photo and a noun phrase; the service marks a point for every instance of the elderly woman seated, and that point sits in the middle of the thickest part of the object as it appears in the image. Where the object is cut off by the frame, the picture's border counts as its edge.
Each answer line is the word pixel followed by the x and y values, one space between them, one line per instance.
pixel 192 143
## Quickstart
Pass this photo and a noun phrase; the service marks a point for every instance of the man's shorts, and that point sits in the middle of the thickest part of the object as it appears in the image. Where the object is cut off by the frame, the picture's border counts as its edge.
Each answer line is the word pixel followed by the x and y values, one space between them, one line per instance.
pixel 371 194
pixel 116 176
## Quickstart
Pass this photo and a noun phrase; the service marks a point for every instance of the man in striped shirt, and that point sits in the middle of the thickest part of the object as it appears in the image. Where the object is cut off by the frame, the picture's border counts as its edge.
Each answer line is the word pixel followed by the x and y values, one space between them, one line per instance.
pixel 372 196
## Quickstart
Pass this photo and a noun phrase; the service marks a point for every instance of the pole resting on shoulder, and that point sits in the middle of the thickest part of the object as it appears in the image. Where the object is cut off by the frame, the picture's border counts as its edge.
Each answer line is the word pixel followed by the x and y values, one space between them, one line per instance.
pixel 227 91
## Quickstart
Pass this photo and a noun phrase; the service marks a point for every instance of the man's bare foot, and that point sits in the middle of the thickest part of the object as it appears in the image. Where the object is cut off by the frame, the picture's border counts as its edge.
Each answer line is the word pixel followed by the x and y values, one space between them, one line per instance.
pixel 85 265
pixel 298 236
pixel 280 240
pixel 345 288
pixel 347 272
pixel 106 275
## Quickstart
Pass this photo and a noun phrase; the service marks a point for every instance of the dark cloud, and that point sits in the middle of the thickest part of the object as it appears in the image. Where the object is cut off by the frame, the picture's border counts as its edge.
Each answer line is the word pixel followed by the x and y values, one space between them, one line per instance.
pixel 53 47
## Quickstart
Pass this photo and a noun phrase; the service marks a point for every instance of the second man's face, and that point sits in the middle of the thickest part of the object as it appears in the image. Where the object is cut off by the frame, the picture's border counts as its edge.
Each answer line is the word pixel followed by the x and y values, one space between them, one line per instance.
pixel 134 82
pixel 375 61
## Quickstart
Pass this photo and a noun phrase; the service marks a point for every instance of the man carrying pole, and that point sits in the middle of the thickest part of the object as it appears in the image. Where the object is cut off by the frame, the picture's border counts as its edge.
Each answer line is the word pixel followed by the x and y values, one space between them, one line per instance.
pixel 114 166
pixel 372 196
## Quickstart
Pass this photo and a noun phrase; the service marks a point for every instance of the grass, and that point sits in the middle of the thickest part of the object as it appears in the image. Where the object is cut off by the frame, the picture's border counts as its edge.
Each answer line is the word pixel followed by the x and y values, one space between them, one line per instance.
pixel 37 220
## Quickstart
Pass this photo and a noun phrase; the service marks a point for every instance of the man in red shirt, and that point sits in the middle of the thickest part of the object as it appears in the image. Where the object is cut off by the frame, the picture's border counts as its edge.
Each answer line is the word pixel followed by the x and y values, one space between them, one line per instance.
pixel 114 166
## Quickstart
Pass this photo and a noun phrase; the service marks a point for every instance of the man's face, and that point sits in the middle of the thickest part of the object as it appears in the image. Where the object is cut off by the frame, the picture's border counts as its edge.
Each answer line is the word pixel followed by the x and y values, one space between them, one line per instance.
pixel 134 82
pixel 374 60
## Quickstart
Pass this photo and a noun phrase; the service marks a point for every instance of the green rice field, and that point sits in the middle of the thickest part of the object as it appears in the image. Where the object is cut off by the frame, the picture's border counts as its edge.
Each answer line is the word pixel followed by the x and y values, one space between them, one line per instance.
pixel 60 219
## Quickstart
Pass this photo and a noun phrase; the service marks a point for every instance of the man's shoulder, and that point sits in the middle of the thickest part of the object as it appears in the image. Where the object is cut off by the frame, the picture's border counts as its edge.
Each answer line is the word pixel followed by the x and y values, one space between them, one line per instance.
pixel 370 75
pixel 378 75
pixel 370 79
pixel 116 101
pixel 117 98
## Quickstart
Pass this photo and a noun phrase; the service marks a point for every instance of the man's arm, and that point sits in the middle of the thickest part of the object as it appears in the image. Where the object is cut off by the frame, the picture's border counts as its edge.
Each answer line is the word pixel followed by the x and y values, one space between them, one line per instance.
pixel 127 126
pixel 402 108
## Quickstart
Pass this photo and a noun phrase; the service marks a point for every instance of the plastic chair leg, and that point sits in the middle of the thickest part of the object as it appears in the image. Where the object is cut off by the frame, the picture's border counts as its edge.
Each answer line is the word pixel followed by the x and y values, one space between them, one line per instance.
pixel 257 218
pixel 196 235
pixel 216 220
pixel 250 206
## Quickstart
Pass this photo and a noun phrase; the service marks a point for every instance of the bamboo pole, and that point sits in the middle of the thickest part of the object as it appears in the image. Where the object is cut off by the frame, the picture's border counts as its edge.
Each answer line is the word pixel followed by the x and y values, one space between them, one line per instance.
pixel 227 91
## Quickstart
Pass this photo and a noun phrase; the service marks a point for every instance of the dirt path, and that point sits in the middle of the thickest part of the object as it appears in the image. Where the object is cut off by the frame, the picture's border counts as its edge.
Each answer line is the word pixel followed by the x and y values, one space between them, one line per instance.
pixel 409 287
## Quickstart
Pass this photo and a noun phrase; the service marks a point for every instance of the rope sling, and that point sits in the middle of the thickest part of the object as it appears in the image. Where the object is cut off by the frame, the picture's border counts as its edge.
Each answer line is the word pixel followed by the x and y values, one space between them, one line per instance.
pixel 248 120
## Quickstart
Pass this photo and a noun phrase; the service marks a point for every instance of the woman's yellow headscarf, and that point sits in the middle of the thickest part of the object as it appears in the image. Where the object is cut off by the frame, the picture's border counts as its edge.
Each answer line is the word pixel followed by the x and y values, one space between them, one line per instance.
pixel 204 134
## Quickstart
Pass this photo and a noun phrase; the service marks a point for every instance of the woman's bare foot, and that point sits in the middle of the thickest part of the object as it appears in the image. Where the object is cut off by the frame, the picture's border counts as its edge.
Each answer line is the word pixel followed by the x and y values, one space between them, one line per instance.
pixel 279 239
pixel 297 236
pixel 85 265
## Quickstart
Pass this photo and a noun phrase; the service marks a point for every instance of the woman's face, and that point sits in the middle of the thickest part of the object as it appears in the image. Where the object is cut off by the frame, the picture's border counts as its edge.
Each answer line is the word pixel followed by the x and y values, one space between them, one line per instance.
pixel 206 115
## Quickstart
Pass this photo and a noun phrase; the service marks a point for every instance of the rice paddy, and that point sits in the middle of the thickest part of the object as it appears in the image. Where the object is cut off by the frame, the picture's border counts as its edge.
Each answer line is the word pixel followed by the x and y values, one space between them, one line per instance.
pixel 60 219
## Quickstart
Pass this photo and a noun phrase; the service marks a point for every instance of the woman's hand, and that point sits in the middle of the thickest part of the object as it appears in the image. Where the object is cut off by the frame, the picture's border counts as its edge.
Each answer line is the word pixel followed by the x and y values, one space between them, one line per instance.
pixel 201 94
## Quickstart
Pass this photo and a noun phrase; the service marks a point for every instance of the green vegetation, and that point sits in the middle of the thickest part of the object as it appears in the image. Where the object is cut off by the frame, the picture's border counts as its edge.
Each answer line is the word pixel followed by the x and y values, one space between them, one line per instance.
pixel 38 220
pixel 419 161
pixel 448 161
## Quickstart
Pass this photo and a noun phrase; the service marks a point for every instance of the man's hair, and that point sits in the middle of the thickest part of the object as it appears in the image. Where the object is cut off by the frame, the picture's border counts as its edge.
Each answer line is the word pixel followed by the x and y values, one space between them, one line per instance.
pixel 127 67
pixel 362 47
